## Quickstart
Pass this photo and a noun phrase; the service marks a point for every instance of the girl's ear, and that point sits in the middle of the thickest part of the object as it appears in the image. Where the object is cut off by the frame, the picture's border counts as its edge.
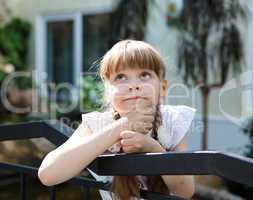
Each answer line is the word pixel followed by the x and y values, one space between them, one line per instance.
pixel 164 88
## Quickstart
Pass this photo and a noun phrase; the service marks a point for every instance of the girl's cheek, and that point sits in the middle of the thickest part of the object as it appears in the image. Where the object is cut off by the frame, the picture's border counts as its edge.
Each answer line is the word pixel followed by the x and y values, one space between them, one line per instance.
pixel 151 91
pixel 118 96
pixel 121 92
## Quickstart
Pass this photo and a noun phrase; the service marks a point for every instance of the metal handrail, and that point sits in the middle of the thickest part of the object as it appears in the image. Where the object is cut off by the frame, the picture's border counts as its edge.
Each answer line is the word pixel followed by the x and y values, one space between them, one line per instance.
pixel 227 165
pixel 57 133
pixel 174 163
pixel 218 163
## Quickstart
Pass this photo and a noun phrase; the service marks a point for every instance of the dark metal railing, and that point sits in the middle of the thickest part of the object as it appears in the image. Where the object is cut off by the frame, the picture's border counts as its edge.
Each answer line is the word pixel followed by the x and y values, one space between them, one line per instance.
pixel 225 165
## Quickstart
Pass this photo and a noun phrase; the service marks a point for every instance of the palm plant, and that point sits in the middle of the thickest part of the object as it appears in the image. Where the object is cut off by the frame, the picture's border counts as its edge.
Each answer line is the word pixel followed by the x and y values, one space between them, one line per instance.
pixel 210 46
pixel 129 21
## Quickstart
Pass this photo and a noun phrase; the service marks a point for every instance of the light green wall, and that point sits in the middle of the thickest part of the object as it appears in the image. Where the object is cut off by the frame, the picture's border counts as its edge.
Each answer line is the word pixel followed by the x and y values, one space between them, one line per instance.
pixel 158 34
pixel 165 39
pixel 29 9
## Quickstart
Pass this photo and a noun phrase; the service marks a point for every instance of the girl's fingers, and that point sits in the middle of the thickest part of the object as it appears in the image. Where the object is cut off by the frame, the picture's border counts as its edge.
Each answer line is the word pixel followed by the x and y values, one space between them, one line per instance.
pixel 148 118
pixel 126 134
pixel 147 125
pixel 128 149
pixel 143 127
pixel 147 111
pixel 127 142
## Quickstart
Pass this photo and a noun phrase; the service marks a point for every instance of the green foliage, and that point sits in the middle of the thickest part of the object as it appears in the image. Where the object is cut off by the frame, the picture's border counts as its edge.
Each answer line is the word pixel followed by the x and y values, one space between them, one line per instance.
pixel 2 76
pixel 14 38
pixel 248 130
pixel 24 83
pixel 130 20
pixel 239 189
pixel 14 42
pixel 91 93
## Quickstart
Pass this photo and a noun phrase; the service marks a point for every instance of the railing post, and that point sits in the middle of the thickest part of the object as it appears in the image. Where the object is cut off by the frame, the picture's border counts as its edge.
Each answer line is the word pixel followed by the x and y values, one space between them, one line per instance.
pixel 86 193
pixel 23 186
pixel 52 193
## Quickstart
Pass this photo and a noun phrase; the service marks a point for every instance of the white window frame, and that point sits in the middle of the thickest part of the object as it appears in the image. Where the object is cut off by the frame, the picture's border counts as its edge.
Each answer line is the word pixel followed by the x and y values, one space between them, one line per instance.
pixel 247 97
pixel 41 48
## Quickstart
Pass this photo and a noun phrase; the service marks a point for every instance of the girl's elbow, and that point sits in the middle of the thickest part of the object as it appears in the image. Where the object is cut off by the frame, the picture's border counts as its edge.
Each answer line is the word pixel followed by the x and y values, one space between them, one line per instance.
pixel 44 177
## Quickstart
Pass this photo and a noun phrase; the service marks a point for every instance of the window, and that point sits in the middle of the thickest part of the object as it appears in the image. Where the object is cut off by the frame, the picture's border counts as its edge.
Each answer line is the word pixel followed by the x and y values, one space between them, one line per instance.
pixel 96 36
pixel 60 61
pixel 67 45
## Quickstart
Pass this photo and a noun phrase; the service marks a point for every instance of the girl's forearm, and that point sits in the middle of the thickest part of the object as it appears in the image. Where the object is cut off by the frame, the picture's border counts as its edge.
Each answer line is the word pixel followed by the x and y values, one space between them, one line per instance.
pixel 180 185
pixel 69 159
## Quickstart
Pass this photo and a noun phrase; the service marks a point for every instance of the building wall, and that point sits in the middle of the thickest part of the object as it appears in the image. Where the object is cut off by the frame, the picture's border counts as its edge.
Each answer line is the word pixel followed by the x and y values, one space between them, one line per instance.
pixel 224 125
pixel 237 106
pixel 165 39
pixel 31 9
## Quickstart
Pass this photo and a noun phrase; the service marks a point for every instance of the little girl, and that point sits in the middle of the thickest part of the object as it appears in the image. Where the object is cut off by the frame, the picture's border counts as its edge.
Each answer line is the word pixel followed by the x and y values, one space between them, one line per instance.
pixel 135 120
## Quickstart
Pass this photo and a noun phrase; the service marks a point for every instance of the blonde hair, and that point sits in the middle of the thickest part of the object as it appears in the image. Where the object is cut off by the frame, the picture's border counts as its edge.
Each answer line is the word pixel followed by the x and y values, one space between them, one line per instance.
pixel 131 54
pixel 134 54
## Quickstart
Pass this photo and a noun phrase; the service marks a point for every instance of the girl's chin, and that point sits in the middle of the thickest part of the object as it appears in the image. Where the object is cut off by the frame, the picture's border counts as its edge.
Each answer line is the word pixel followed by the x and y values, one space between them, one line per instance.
pixel 132 105
pixel 126 109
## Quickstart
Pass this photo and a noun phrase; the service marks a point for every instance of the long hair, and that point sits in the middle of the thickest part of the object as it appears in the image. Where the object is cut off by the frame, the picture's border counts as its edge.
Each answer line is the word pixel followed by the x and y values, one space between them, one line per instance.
pixel 134 54
pixel 126 186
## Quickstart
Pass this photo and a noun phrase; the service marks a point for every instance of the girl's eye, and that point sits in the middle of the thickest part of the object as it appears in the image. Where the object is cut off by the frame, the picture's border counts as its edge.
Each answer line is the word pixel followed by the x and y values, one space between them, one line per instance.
pixel 119 77
pixel 145 75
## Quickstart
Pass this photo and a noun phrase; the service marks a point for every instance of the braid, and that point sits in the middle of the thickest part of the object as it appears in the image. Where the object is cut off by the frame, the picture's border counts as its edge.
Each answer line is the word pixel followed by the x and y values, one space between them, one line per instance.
pixel 156 183
pixel 116 115
pixel 157 122
pixel 130 183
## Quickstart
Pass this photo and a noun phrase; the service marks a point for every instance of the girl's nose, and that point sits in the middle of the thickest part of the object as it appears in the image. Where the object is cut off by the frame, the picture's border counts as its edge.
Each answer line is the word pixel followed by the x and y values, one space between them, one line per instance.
pixel 135 87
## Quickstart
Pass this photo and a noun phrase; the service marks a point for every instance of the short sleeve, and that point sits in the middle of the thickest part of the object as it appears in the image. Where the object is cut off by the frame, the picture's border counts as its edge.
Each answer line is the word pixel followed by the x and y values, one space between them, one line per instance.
pixel 182 117
pixel 176 121
pixel 90 119
pixel 96 121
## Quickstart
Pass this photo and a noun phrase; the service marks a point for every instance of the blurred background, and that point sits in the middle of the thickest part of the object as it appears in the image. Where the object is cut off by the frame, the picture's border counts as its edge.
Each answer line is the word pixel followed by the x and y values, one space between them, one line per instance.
pixel 49 59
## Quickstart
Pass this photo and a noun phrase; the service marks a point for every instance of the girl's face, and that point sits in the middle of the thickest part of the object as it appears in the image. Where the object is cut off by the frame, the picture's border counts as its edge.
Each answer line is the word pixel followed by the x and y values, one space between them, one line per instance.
pixel 130 89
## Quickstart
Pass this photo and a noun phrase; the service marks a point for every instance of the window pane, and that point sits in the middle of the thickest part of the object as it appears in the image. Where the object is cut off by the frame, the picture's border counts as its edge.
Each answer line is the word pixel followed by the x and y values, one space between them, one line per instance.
pixel 96 35
pixel 60 51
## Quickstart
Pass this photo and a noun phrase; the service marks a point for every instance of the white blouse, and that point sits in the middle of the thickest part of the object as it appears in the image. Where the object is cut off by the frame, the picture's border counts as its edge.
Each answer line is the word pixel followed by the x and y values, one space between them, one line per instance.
pixel 176 121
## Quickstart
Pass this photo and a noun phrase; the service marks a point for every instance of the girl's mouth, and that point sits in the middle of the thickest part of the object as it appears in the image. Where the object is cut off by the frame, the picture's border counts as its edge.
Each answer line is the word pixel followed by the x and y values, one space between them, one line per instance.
pixel 134 98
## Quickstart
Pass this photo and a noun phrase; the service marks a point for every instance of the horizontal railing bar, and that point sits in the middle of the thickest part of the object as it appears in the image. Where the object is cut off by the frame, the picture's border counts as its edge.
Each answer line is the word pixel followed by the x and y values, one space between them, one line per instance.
pixel 176 163
pixel 53 130
pixel 82 181
pixel 6 179
pixel 9 176
pixel 21 131
pixel 18 168
pixel 34 172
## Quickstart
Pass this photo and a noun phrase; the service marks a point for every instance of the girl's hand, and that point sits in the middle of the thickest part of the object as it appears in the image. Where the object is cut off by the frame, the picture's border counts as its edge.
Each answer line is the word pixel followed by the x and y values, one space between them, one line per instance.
pixel 141 119
pixel 133 142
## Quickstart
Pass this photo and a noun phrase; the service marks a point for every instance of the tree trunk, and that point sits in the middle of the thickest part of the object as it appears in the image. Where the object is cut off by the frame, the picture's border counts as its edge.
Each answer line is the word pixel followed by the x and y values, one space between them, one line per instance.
pixel 205 101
